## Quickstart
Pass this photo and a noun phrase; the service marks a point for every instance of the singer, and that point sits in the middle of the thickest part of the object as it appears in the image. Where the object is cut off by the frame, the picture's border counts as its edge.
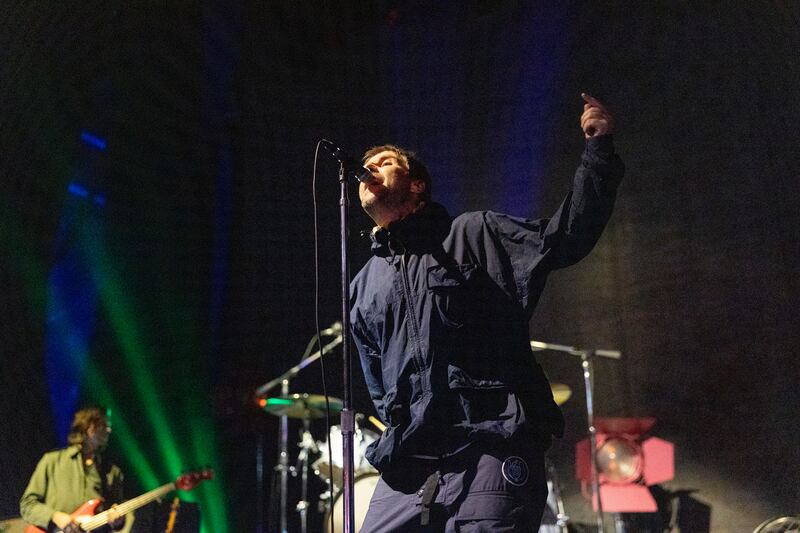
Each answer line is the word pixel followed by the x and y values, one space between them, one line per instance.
pixel 440 318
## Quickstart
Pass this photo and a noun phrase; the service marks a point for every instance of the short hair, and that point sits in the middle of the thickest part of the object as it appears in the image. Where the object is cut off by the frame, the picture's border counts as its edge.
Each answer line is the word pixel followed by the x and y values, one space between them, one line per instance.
pixel 416 168
pixel 83 420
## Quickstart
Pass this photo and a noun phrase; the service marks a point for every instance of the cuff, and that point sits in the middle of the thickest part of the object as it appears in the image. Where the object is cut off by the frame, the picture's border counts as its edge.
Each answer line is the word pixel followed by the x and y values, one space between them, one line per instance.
pixel 602 145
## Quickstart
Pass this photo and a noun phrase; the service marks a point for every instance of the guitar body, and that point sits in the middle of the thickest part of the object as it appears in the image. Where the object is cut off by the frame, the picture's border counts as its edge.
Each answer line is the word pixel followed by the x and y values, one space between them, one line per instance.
pixel 79 515
pixel 87 517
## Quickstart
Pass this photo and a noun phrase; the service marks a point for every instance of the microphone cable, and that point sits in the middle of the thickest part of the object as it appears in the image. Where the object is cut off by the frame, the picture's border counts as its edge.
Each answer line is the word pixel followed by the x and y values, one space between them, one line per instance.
pixel 319 335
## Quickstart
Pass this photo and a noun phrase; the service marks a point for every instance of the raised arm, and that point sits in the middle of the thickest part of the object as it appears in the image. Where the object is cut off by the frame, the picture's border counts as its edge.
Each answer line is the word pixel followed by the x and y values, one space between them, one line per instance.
pixel 577 225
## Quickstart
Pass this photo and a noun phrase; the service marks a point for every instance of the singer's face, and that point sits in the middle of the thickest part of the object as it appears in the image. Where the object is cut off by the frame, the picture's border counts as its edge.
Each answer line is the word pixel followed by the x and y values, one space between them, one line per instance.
pixel 392 192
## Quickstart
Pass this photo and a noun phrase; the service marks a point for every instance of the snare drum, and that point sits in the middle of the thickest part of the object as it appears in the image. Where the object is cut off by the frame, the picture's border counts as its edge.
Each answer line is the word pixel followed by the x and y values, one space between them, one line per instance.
pixel 361 439
pixel 363 487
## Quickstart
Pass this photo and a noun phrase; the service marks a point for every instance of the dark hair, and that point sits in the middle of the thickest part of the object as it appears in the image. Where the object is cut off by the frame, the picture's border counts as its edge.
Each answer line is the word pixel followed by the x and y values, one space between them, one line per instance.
pixel 84 419
pixel 416 168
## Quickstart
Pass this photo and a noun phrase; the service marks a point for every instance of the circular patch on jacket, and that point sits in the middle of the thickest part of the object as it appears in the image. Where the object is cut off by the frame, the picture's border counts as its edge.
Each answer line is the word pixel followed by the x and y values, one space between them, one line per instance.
pixel 515 470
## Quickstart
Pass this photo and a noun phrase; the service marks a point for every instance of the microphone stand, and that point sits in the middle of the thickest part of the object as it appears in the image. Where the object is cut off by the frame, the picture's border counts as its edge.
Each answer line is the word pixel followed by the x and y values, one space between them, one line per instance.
pixel 346 166
pixel 588 380
pixel 348 416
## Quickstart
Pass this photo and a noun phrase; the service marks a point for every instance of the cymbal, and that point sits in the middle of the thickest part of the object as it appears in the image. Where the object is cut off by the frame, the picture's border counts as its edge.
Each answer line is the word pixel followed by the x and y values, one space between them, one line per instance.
pixel 301 405
pixel 561 393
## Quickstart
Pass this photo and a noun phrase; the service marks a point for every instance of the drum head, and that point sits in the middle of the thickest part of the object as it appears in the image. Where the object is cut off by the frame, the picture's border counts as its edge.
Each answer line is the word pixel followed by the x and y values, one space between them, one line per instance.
pixel 361 439
pixel 363 487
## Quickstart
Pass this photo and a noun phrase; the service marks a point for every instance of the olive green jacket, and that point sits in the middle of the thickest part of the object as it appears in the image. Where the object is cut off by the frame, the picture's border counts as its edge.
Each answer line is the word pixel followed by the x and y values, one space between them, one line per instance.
pixel 61 482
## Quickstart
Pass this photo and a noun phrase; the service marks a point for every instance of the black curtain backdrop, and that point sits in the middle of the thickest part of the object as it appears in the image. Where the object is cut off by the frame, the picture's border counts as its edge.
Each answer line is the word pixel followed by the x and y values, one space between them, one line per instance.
pixel 212 113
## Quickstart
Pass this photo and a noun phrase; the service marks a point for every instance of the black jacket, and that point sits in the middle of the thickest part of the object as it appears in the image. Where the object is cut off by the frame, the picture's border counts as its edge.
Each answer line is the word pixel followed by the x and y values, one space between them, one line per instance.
pixel 440 317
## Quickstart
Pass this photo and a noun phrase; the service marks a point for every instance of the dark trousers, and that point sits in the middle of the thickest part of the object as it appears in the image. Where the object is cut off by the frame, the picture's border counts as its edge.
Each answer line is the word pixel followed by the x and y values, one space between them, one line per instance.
pixel 471 495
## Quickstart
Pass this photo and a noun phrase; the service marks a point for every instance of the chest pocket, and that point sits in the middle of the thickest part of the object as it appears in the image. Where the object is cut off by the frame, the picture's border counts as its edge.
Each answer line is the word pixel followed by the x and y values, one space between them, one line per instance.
pixel 453 293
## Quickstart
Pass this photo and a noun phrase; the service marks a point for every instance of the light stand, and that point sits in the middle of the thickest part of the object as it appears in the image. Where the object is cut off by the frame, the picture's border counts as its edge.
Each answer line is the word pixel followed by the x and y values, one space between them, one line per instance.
pixel 588 380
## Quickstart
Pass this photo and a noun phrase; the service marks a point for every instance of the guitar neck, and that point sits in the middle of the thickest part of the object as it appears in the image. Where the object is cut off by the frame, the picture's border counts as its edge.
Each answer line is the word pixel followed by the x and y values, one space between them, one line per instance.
pixel 124 508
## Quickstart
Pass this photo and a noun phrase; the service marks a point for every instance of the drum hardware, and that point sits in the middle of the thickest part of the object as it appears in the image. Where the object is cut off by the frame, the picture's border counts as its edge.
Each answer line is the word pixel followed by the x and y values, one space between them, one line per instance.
pixel 301 406
pixel 377 423
pixel 561 393
pixel 329 469
pixel 364 486
pixel 554 519
pixel 784 524
pixel 587 358
pixel 304 407
pixel 298 406
pixel 307 444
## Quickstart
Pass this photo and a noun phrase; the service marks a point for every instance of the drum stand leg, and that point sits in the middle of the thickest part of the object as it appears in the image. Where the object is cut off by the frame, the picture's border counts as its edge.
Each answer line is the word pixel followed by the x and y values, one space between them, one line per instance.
pixel 283 461
pixel 619 523
pixel 561 516
pixel 307 444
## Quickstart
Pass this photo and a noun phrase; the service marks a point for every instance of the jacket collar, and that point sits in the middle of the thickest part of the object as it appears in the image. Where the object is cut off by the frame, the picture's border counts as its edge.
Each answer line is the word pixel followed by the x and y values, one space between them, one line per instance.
pixel 421 231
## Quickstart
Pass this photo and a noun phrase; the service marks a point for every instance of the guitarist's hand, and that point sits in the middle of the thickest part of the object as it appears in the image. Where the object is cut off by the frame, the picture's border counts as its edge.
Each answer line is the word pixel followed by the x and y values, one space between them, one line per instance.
pixel 115 521
pixel 64 522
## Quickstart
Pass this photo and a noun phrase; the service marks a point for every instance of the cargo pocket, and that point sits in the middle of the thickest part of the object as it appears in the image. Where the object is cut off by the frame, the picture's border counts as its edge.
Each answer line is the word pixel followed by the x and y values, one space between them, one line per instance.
pixel 488 404
pixel 489 512
pixel 453 298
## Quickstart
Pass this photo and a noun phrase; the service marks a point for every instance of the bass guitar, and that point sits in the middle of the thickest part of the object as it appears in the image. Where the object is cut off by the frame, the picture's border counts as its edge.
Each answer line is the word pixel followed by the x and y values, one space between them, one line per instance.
pixel 88 519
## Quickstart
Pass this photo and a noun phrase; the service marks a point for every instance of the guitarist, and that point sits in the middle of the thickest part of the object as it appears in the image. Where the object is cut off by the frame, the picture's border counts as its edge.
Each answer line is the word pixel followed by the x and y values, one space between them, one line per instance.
pixel 65 479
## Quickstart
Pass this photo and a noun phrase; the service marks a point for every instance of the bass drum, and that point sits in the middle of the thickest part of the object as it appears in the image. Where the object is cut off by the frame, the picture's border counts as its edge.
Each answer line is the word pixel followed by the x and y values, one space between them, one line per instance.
pixel 363 487
pixel 324 465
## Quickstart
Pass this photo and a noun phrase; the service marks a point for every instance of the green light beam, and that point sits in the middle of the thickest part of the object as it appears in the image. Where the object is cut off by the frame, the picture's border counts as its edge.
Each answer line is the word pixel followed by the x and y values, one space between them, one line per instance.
pixel 124 325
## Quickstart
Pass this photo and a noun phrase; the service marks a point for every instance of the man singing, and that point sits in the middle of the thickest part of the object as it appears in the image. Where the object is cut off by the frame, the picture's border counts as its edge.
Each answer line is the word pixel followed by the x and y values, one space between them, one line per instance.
pixel 440 319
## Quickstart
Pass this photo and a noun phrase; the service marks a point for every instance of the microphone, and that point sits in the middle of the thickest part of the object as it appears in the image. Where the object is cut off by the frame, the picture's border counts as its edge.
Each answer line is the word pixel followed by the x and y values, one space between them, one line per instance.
pixel 351 166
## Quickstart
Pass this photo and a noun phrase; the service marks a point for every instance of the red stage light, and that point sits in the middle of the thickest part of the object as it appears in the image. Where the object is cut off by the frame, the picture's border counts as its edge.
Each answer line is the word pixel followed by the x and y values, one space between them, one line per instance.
pixel 626 464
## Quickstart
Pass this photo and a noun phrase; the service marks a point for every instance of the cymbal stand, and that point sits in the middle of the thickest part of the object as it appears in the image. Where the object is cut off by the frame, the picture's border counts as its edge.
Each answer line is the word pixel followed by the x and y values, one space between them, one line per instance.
pixel 335 330
pixel 306 445
pixel 283 442
pixel 587 357
pixel 283 461
pixel 561 515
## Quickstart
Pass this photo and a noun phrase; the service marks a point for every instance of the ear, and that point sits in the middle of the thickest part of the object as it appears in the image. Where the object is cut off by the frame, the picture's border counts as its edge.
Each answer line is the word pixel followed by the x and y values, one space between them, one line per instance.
pixel 418 186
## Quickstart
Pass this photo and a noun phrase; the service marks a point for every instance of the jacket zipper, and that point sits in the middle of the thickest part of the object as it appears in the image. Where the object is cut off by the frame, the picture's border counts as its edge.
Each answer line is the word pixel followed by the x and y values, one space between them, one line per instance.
pixel 420 363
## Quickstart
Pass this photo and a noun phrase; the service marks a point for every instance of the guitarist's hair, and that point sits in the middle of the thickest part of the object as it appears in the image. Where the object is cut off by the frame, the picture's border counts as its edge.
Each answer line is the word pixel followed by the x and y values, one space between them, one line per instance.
pixel 84 419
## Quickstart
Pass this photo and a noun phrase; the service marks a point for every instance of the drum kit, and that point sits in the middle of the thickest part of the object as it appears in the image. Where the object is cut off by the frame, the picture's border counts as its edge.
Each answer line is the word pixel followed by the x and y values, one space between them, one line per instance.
pixel 328 460
pixel 325 460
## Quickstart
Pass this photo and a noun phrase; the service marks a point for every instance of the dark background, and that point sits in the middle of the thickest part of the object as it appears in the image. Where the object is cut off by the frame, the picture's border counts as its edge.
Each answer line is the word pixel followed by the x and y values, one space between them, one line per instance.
pixel 212 111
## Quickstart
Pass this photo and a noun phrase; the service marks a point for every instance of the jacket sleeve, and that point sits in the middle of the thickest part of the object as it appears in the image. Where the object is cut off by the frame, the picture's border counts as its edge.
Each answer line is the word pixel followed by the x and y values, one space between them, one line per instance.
pixel 532 248
pixel 31 506
pixel 370 357
pixel 579 222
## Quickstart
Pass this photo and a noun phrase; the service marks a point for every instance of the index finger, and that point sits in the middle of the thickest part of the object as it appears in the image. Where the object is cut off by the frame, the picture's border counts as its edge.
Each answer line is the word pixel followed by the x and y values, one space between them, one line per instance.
pixel 591 100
